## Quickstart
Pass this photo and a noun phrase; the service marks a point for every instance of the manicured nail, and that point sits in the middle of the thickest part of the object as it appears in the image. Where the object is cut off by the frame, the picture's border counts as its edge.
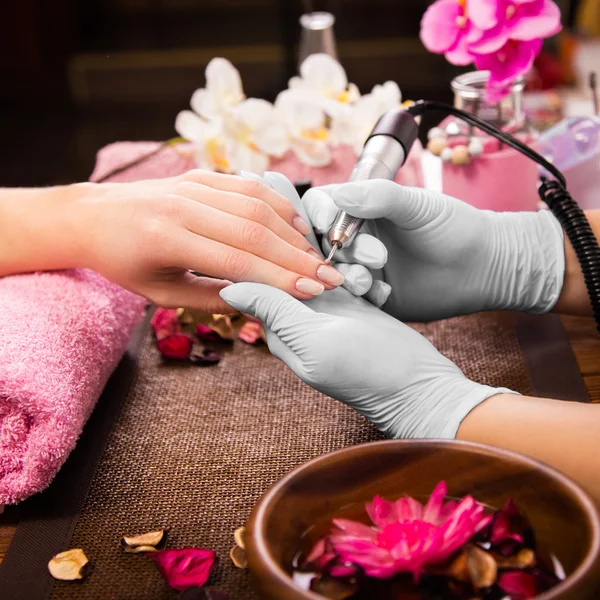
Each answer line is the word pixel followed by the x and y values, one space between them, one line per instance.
pixel 310 287
pixel 301 225
pixel 329 275
pixel 314 253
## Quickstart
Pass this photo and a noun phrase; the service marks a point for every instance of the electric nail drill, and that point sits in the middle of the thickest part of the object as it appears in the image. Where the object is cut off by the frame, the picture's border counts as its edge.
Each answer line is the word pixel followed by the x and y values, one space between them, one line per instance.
pixel 385 151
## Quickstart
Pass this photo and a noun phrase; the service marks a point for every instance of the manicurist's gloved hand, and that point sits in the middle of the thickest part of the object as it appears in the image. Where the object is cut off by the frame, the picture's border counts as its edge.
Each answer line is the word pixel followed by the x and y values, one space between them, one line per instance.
pixel 349 349
pixel 445 257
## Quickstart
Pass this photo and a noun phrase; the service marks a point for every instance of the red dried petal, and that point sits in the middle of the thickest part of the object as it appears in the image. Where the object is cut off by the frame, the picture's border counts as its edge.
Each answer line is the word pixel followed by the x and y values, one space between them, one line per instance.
pixel 165 323
pixel 206 358
pixel 519 585
pixel 509 525
pixel 208 334
pixel 183 568
pixel 177 347
pixel 252 332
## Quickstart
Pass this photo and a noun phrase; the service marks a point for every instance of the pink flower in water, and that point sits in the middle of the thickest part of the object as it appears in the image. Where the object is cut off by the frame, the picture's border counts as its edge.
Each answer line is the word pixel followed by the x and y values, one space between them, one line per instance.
pixel 408 536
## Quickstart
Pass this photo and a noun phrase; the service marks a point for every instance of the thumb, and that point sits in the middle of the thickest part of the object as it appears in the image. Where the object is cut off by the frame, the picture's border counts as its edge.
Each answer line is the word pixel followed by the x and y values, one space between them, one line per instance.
pixel 407 207
pixel 278 311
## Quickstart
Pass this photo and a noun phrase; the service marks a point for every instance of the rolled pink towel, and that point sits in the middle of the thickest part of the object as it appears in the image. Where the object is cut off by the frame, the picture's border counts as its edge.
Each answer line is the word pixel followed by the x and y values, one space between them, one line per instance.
pixel 61 336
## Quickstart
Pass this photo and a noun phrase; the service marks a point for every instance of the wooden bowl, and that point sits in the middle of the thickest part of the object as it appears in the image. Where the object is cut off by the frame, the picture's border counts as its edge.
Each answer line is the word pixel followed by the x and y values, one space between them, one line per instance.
pixel 564 518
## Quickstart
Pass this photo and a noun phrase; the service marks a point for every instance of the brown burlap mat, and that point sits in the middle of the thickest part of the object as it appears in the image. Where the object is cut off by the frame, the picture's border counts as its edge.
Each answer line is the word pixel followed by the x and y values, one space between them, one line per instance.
pixel 194 448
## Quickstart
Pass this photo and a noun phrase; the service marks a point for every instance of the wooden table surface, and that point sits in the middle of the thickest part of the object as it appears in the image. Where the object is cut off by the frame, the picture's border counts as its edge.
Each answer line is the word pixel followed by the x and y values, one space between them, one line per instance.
pixel 585 342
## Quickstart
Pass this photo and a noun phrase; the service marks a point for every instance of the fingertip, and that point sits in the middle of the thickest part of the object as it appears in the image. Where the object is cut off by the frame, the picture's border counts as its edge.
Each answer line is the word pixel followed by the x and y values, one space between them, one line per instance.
pixel 320 208
pixel 358 279
pixel 379 293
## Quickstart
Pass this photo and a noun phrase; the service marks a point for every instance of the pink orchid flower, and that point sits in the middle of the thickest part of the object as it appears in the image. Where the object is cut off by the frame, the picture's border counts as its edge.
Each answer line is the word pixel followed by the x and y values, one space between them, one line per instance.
pixel 514 59
pixel 407 536
pixel 447 29
pixel 520 20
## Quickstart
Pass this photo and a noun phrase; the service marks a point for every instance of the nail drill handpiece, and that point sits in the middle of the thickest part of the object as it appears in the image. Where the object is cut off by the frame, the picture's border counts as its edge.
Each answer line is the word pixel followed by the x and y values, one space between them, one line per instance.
pixel 383 154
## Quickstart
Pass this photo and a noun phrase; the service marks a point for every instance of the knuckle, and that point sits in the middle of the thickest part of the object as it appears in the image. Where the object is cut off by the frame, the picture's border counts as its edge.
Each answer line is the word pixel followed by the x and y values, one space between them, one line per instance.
pixel 253 235
pixel 194 175
pixel 258 210
pixel 237 265
pixel 255 188
pixel 152 231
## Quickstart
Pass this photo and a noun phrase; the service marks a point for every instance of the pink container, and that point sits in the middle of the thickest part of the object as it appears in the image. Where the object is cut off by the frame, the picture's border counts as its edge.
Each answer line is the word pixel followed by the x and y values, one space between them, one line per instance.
pixel 500 181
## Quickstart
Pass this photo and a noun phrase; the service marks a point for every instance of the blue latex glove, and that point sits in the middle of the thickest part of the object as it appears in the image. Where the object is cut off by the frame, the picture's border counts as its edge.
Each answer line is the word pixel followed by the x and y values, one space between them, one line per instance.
pixel 345 347
pixel 445 257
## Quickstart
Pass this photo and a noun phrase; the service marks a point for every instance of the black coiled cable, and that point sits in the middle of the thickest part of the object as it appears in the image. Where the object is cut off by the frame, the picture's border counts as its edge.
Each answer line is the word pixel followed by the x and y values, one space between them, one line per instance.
pixel 553 192
pixel 581 236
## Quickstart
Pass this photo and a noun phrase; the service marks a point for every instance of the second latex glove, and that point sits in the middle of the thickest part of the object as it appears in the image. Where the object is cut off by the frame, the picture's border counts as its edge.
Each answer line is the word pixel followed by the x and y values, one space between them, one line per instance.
pixel 350 350
pixel 444 257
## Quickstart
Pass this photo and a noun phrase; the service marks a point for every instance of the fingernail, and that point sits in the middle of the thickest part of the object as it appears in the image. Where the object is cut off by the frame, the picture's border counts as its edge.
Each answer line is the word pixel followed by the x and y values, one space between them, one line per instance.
pixel 310 287
pixel 314 253
pixel 329 275
pixel 301 225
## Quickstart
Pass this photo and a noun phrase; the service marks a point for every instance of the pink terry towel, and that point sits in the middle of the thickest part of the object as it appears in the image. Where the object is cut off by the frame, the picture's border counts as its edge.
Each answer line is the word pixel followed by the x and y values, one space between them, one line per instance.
pixel 61 336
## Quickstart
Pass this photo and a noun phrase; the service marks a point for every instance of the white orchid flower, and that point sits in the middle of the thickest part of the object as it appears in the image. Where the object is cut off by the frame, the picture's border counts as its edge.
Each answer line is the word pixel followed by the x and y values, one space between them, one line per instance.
pixel 323 81
pixel 354 127
pixel 222 92
pixel 242 138
pixel 305 123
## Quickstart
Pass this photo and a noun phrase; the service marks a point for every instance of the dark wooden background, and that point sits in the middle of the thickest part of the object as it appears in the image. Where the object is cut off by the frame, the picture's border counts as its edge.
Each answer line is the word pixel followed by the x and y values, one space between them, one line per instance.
pixel 78 74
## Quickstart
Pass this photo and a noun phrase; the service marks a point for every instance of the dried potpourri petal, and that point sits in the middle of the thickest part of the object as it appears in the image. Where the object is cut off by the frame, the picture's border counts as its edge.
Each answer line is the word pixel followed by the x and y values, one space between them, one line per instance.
pixel 239 535
pixel 510 528
pixel 202 593
pixel 165 323
pixel 519 585
pixel 146 542
pixel 238 557
pixel 183 568
pixel 523 559
pixel 223 326
pixel 176 347
pixel 205 357
pixel 208 334
pixel 481 567
pixel 69 565
pixel 252 332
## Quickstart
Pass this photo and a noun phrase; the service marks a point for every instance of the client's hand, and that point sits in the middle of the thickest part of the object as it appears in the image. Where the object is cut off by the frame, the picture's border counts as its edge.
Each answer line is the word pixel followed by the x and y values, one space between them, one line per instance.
pixel 147 236
pixel 446 258
pixel 347 348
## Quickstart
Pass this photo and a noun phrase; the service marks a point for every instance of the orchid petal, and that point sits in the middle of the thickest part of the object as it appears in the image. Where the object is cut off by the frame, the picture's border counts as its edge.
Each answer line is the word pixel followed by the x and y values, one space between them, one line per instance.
pixel 312 155
pixel 273 139
pixel 484 13
pixel 191 127
pixel 223 81
pixel 322 72
pixel 490 41
pixel 254 113
pixel 459 54
pixel 244 158
pixel 205 103
pixel 536 22
pixel 439 29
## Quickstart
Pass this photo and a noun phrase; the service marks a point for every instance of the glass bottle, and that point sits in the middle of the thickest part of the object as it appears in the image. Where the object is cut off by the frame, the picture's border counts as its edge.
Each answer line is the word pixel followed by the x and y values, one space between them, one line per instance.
pixel 317 35
pixel 495 176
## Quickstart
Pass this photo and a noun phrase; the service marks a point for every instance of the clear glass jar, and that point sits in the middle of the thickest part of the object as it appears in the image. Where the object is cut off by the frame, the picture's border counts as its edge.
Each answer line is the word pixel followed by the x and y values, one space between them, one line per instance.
pixel 508 115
